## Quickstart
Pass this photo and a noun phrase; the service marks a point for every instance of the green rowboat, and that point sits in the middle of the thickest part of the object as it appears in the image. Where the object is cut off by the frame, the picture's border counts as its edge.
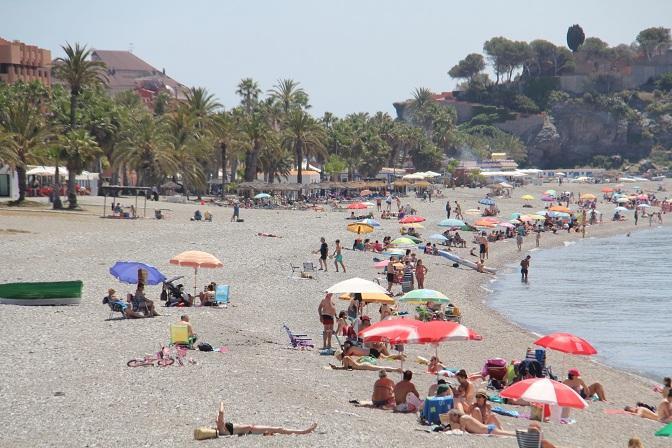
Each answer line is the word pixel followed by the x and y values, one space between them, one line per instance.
pixel 41 293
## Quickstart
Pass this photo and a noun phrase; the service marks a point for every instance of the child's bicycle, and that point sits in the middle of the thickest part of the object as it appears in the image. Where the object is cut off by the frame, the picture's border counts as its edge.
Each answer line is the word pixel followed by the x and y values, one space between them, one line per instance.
pixel 162 359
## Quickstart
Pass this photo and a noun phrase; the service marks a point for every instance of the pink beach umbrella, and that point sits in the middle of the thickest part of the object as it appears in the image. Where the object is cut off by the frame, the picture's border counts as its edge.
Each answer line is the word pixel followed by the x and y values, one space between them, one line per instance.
pixel 566 343
pixel 545 391
pixel 547 198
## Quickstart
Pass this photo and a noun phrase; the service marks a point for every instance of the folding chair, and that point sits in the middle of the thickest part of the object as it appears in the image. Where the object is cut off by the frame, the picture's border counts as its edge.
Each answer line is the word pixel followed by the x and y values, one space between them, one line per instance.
pixel 179 335
pixel 115 307
pixel 528 439
pixel 308 266
pixel 298 340
pixel 222 295
pixel 294 268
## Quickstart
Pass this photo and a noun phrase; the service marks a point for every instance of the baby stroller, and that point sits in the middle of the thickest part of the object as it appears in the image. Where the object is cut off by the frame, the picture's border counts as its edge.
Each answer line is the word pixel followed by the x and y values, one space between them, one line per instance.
pixel 170 292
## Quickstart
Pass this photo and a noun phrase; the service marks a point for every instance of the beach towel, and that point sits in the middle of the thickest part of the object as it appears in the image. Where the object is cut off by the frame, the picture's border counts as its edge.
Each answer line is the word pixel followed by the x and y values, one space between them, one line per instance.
pixel 507 412
pixel 616 412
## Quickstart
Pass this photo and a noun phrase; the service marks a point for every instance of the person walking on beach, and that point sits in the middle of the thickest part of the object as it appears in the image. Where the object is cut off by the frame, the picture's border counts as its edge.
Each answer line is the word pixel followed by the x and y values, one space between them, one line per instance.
pixel 327 312
pixel 236 212
pixel 447 209
pixel 420 272
pixel 324 251
pixel 458 211
pixel 524 267
pixel 538 237
pixel 636 217
pixel 338 256
pixel 388 202
pixel 379 204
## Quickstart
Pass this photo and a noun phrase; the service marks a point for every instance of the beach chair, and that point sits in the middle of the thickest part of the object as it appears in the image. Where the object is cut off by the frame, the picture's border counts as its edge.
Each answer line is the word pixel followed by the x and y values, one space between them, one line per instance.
pixel 528 439
pixel 294 268
pixel 222 295
pixel 298 340
pixel 116 306
pixel 308 266
pixel 179 335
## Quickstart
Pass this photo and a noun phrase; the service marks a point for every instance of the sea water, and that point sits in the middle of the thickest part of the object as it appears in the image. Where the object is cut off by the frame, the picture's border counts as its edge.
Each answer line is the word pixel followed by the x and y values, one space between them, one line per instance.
pixel 614 292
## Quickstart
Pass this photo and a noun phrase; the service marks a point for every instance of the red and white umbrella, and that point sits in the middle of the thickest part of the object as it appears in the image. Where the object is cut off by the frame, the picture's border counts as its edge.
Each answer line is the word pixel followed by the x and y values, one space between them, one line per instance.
pixel 394 331
pixel 437 331
pixel 566 343
pixel 546 391
pixel 356 206
pixel 411 219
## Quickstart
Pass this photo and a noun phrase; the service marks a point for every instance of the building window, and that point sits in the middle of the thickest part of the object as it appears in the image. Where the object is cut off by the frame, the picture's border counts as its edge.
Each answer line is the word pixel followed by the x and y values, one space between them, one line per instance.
pixel 4 68
pixel 4 185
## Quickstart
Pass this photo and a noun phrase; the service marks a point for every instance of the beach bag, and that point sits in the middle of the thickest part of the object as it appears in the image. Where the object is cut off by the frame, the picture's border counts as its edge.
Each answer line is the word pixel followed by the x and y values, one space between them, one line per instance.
pixel 205 347
pixel 433 407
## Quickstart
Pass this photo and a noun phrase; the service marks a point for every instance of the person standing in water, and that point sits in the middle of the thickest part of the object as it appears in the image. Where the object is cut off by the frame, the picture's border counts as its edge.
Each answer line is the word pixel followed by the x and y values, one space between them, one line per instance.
pixel 524 267
pixel 338 256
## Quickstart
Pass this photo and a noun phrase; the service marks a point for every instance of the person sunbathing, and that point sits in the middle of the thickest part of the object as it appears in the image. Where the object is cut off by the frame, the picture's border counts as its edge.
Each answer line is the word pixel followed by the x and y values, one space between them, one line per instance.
pixel 459 420
pixel 435 365
pixel 383 392
pixel 482 411
pixel 580 387
pixel 378 351
pixel 225 428
pixel 363 363
pixel 663 414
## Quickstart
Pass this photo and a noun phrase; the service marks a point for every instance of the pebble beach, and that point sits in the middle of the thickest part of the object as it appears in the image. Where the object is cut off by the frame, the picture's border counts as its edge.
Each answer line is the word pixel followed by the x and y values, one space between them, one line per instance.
pixel 65 379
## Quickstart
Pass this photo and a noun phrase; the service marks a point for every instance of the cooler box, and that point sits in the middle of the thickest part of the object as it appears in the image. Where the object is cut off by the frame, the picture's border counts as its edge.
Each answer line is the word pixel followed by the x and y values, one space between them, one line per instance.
pixel 435 406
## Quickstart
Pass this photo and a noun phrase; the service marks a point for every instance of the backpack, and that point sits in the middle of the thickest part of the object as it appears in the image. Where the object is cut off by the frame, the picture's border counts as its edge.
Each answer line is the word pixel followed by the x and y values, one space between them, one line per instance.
pixel 205 347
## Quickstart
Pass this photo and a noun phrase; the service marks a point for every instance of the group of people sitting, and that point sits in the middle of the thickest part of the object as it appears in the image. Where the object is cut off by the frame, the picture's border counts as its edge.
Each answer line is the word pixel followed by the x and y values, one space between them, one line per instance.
pixel 198 216
pixel 136 305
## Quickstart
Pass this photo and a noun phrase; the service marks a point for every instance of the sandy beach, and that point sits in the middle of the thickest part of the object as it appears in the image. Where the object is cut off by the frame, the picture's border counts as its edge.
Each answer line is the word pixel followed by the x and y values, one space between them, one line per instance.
pixel 65 379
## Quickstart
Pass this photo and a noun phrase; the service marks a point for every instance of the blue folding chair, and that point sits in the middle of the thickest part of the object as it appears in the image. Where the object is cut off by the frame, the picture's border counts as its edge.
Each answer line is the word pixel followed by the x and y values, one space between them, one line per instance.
pixel 222 295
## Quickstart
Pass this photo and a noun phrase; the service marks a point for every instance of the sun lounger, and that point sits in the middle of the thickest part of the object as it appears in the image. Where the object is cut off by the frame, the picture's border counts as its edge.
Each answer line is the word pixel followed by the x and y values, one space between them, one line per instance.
pixel 527 439
pixel 298 340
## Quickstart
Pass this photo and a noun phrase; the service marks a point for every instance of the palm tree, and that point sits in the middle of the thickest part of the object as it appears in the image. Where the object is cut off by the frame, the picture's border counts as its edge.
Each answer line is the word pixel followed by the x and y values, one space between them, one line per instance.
pixel 249 92
pixel 190 145
pixel 305 136
pixel 226 137
pixel 202 105
pixel 23 135
pixel 78 72
pixel 78 149
pixel 275 160
pixel 421 97
pixel 289 94
pixel 146 149
pixel 255 132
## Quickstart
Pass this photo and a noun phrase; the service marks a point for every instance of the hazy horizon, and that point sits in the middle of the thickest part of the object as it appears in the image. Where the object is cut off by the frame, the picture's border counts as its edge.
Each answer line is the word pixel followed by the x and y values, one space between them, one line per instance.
pixel 350 56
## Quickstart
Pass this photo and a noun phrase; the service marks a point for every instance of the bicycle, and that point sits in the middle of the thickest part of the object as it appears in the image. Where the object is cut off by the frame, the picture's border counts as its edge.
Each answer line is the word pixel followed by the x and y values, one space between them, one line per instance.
pixel 162 359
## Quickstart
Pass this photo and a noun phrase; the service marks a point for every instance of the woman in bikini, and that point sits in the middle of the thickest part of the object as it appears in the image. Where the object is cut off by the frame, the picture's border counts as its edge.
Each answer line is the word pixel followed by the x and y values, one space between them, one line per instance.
pixel 225 428
pixel 467 423
pixel 482 411
pixel 420 272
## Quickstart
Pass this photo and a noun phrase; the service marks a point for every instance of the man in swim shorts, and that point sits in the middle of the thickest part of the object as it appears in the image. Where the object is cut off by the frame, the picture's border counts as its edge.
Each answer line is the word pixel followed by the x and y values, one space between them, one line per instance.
pixel 324 251
pixel 327 311
pixel 524 266
pixel 338 256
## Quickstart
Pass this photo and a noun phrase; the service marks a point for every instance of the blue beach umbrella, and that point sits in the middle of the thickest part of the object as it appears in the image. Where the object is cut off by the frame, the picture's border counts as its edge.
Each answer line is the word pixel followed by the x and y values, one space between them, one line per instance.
pixel 451 223
pixel 620 209
pixel 371 222
pixel 438 237
pixel 486 201
pixel 127 272
pixel 262 196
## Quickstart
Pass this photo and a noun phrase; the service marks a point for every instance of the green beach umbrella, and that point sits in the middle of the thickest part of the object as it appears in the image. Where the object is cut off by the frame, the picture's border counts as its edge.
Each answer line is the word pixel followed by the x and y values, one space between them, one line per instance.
pixel 424 296
pixel 403 242
pixel 665 431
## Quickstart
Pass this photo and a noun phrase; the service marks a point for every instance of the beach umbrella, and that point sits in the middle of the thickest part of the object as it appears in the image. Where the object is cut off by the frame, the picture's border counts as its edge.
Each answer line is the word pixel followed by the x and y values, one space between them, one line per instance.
pixel 566 343
pixel 542 212
pixel 393 331
pixel 437 331
pixel 418 296
pixel 559 208
pixel 484 223
pixel 356 206
pixel 355 285
pixel 414 225
pixel 487 201
pixel 394 252
pixel 620 209
pixel 643 197
pixel 369 203
pixel 381 264
pixel 558 215
pixel 665 431
pixel 451 223
pixel 607 190
pixel 437 237
pixel 588 196
pixel 262 196
pixel 548 198
pixel 369 221
pixel 127 272
pixel 196 259
pixel 403 241
pixel 622 200
pixel 527 197
pixel 643 206
pixel 546 391
pixel 365 192
pixel 411 219
pixel 422 184
pixel 560 173
pixel 431 174
pixel 507 225
pixel 371 297
pixel 473 211
pixel 551 192
pixel 359 228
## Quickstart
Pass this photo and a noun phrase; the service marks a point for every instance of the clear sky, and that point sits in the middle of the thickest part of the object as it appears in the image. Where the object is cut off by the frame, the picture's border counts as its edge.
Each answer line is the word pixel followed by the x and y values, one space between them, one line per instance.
pixel 349 55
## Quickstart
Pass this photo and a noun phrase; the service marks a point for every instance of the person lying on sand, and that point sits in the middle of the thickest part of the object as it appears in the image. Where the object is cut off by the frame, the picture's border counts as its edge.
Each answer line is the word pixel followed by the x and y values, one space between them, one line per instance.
pixel 225 428
pixel 363 363
pixel 269 235
pixel 663 415
pixel 459 420
pixel 377 351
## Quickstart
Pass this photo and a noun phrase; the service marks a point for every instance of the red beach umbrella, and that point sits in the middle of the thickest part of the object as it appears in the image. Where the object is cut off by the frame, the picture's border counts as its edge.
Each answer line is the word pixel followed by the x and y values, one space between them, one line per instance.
pixel 394 331
pixel 544 390
pixel 356 206
pixel 411 219
pixel 566 343
pixel 437 331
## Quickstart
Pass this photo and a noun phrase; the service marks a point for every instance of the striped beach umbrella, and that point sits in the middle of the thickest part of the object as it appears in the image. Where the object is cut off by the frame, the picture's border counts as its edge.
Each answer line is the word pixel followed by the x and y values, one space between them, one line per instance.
pixel 546 391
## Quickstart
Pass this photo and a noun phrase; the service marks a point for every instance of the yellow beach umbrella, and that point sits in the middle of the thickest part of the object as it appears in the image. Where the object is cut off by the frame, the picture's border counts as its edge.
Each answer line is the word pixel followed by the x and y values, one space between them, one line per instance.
pixel 536 217
pixel 415 225
pixel 371 297
pixel 588 196
pixel 359 228
pixel 527 197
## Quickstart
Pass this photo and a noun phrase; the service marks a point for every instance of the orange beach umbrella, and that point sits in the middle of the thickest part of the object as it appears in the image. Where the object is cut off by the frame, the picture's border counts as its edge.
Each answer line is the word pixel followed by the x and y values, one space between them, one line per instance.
pixel 560 208
pixel 196 259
